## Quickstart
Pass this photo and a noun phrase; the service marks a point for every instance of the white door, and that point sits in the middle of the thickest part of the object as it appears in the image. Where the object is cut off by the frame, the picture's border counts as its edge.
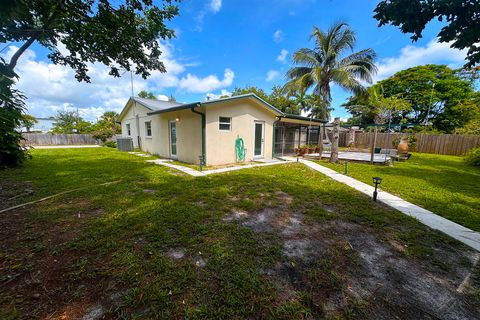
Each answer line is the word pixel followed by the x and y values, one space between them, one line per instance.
pixel 173 138
pixel 259 140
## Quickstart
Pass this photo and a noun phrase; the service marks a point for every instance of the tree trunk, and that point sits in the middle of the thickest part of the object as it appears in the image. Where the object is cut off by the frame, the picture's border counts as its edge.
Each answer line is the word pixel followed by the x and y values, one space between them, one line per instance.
pixel 320 142
pixel 335 135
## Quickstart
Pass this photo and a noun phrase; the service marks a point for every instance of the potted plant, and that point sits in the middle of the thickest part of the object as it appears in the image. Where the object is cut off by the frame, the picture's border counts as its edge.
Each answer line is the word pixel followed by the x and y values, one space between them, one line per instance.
pixel 317 149
pixel 302 150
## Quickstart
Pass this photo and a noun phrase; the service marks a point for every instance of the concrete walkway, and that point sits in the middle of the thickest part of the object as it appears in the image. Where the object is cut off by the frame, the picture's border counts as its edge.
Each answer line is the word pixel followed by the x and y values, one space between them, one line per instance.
pixel 187 170
pixel 196 173
pixel 428 218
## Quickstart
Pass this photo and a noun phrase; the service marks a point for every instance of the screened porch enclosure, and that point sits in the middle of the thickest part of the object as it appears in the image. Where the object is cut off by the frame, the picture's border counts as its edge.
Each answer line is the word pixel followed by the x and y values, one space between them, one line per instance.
pixel 289 136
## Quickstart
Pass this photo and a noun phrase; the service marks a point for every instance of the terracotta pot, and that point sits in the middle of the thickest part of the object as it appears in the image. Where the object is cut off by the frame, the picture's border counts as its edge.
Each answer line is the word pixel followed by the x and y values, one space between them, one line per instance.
pixel 311 150
pixel 301 151
pixel 317 150
pixel 402 147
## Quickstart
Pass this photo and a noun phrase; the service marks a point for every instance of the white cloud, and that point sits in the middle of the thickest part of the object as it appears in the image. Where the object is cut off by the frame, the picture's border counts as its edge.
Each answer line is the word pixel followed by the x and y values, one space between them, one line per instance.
pixel 162 97
pixel 212 6
pixel 272 75
pixel 194 84
pixel 411 56
pixel 278 36
pixel 215 5
pixel 51 87
pixel 283 56
pixel 213 96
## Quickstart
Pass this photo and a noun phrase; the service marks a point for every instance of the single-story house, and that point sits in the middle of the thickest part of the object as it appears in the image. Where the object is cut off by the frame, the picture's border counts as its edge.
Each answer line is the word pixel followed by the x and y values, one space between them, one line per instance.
pixel 211 129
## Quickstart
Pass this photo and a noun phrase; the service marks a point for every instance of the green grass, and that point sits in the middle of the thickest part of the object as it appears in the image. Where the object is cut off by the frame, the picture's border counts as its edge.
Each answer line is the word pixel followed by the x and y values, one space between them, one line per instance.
pixel 115 238
pixel 442 184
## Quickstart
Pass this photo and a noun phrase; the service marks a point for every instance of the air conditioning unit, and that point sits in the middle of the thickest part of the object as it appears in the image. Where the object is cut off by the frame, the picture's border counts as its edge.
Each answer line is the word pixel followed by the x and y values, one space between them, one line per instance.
pixel 125 144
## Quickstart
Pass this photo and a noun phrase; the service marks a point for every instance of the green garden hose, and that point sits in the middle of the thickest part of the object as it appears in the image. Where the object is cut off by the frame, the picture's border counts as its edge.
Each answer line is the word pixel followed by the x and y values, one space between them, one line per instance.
pixel 240 149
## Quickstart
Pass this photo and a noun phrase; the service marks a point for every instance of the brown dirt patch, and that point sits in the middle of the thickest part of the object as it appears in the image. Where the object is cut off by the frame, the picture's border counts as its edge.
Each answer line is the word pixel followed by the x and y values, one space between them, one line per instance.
pixel 351 269
pixel 40 276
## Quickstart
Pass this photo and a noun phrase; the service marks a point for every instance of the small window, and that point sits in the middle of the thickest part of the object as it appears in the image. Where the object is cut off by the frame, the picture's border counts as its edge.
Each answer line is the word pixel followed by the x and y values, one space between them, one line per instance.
pixel 129 133
pixel 148 128
pixel 224 123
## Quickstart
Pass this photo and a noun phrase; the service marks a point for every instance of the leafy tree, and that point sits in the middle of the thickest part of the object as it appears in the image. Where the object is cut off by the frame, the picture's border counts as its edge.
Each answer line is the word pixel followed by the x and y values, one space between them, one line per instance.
pixel 283 101
pixel 437 94
pixel 251 89
pixel 172 98
pixel 70 122
pixel 11 107
pixel 147 95
pixel 107 126
pixel 279 98
pixel 28 121
pixel 302 101
pixel 116 33
pixel 412 16
pixel 374 107
pixel 119 34
pixel 323 65
pixel 472 127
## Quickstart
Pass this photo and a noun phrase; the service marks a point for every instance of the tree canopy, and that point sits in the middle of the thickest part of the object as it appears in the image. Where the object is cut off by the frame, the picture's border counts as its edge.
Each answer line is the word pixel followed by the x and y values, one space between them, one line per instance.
pixel 278 97
pixel 123 35
pixel 119 34
pixel 107 126
pixel 462 21
pixel 436 93
pixel 70 122
pixel 28 121
pixel 147 95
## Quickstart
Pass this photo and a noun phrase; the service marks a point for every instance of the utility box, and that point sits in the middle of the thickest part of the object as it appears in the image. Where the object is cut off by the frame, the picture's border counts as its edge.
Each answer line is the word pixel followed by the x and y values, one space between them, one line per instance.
pixel 125 144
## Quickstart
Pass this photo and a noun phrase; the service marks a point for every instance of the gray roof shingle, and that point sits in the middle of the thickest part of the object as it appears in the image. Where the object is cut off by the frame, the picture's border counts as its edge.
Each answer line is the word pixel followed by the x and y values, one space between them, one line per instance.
pixel 157 105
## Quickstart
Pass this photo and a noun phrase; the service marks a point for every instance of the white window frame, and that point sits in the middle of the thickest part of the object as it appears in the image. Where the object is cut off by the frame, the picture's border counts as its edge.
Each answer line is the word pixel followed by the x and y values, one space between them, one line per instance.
pixel 229 123
pixel 127 127
pixel 149 123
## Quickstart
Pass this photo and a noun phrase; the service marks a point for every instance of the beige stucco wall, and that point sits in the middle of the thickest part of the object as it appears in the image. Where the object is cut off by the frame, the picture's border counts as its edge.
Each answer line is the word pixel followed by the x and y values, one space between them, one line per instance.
pixel 220 145
pixel 188 132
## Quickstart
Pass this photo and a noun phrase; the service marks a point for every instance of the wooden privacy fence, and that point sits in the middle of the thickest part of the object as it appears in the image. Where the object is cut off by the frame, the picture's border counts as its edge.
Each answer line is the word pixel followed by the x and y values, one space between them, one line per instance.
pixel 451 144
pixel 43 139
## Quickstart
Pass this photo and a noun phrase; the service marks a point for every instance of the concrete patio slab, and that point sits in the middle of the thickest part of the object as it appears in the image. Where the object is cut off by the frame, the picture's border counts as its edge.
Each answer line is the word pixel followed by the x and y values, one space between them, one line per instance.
pixel 353 156
pixel 467 236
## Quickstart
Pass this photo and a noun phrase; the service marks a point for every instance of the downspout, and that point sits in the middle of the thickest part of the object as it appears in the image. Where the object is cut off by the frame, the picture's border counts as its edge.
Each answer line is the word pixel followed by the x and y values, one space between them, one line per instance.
pixel 204 158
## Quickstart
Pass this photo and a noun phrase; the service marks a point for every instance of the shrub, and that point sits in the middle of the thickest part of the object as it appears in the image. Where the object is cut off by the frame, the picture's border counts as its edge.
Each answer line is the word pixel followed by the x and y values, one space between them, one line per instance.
pixel 102 135
pixel 12 106
pixel 110 144
pixel 473 157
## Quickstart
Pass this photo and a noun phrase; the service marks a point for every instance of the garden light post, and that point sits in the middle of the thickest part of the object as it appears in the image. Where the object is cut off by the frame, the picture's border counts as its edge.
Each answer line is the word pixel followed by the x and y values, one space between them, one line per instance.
pixel 201 162
pixel 377 181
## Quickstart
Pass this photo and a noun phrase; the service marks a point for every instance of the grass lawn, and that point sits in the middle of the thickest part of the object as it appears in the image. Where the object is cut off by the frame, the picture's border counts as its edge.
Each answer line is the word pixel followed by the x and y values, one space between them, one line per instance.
pixel 442 184
pixel 279 242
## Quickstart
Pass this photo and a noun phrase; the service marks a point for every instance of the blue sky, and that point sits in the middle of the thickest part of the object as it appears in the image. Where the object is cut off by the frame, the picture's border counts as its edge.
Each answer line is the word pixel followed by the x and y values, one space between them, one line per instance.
pixel 225 44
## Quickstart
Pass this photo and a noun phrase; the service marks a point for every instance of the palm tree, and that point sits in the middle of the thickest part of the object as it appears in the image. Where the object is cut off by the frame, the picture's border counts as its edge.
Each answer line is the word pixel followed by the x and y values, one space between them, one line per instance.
pixel 325 64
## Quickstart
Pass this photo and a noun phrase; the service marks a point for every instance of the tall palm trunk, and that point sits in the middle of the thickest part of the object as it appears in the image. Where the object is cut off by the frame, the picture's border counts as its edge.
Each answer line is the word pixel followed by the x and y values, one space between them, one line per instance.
pixel 335 138
pixel 325 64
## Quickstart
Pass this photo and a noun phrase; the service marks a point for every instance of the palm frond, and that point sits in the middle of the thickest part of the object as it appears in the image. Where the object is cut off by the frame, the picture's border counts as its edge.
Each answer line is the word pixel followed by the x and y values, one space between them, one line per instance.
pixel 297 72
pixel 306 57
